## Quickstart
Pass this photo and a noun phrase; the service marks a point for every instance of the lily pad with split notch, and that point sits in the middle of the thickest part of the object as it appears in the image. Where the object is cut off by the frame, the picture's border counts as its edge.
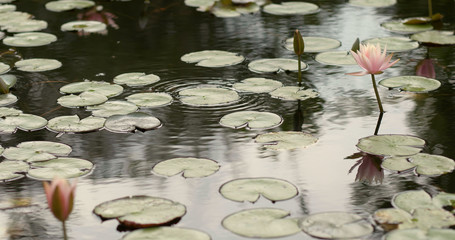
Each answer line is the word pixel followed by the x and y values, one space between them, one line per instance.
pixel 104 88
pixel 34 151
pixel 110 108
pixel 251 120
pixel 411 83
pixel 66 5
pixel 7 99
pixel 394 44
pixel 23 121
pixel 336 225
pixel 37 65
pixel 189 167
pixel 291 93
pixel 422 163
pixel 167 233
pixel 84 26
pixel 131 122
pixel 271 65
pixel 29 25
pixel 257 85
pixel 435 37
pixel 73 124
pixel 149 100
pixel 136 79
pixel 400 27
pixel 391 145
pixel 335 58
pixel 250 189
pixel 418 234
pixel 208 96
pixel 82 100
pixel 12 170
pixel 286 140
pixel 213 58
pixel 291 8
pixel 373 3
pixel 30 39
pixel 314 44
pixel 63 167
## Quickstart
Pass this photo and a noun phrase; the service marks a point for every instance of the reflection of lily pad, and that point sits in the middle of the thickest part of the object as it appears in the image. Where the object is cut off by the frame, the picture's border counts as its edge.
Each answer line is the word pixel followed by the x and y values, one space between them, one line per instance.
pixel 424 164
pixel 250 189
pixel 34 151
pixel 373 3
pixel 148 100
pixel 269 65
pixel 208 96
pixel 251 120
pixel 418 234
pixel 82 100
pixel 37 65
pixel 131 122
pixel 400 27
pixel 314 44
pixel 29 25
pixel 104 88
pixel 12 170
pixel 7 99
pixel 291 93
pixel 63 167
pixel 291 8
pixel 189 167
pixel 411 83
pixel 84 26
pixel 110 108
pixel 435 37
pixel 25 122
pixel 213 58
pixel 391 145
pixel 136 79
pixel 286 140
pixel 72 124
pixel 335 58
pixel 394 44
pixel 30 39
pixel 257 85
pixel 261 223
pixel 65 5
pixel 166 233
pixel 336 225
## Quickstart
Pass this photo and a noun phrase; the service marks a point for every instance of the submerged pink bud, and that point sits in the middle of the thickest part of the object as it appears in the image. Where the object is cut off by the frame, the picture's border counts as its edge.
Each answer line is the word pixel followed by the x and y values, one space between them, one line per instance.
pixel 425 68
pixel 60 197
pixel 372 60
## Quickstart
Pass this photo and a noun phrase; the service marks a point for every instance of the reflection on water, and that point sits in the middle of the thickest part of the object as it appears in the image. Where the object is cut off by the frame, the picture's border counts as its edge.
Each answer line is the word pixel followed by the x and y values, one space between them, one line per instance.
pixel 152 37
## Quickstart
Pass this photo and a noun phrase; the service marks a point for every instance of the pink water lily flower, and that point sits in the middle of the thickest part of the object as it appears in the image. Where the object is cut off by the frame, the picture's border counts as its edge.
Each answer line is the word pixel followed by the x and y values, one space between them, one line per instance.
pixel 60 197
pixel 372 60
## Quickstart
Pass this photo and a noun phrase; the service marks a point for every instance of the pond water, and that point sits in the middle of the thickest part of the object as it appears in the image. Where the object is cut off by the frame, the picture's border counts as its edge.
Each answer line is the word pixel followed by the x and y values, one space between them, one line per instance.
pixel 151 38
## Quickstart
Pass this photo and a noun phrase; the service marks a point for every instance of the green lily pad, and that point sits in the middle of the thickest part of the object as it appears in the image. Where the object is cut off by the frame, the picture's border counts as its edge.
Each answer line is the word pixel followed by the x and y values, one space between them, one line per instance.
pixel 270 65
pixel 7 8
pixel 131 122
pixel 4 111
pixel 65 5
pixel 7 81
pixel 336 225
pixel 136 79
pixel 4 68
pixel 435 37
pixel 7 99
pixel 104 88
pixel 257 85
pixel 400 27
pixel 12 170
pixel 208 96
pixel 149 100
pixel 394 44
pixel 63 167
pixel 314 44
pixel 424 164
pixel 29 25
pixel 229 11
pixel 291 93
pixel 35 151
pixel 291 8
pixel 390 218
pixel 373 3
pixel 110 108
pixel 25 122
pixel 261 223
pixel 213 58
pixel 250 189
pixel 14 16
pixel 418 234
pixel 412 200
pixel 82 100
pixel 72 124
pixel 166 233
pixel 84 26
pixel 1 149
pixel 199 3
pixel 411 83
pixel 286 140
pixel 189 167
pixel 335 58
pixel 444 199
pixel 391 145
pixel 6 1
pixel 30 39
pixel 251 120
pixel 37 65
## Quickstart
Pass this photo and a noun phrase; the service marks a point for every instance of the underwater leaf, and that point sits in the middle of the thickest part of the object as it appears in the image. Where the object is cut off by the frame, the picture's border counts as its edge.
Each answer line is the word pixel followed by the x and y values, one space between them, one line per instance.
pixel 136 79
pixel 251 120
pixel 30 39
pixel 84 26
pixel 286 140
pixel 314 44
pixel 7 81
pixel 400 27
pixel 411 83
pixel 336 225
pixel 335 58
pixel 104 88
pixel 435 37
pixel 261 223
pixel 72 124
pixel 37 65
pixel 131 122
pixel 270 65
pixel 213 58
pixel 257 85
pixel 149 100
pixel 188 166
pixel 63 167
pixel 4 68
pixel 207 96
pixel 391 145
pixel 12 170
pixel 7 99
pixel 25 122
pixel 291 93
pixel 411 200
pixel 394 44
pixel 390 218
pixel 65 5
pixel 33 151
pixel 291 8
pixel 81 100
pixel 250 189
pixel 167 233
pixel 373 3
pixel 110 108
pixel 418 234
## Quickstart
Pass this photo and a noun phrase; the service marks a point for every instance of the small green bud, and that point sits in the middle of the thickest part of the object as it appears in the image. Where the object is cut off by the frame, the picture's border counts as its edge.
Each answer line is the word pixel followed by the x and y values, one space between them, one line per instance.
pixel 299 45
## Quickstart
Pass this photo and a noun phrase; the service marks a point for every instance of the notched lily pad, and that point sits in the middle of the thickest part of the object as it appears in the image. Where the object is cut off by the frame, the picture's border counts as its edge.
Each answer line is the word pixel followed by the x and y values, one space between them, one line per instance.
pixel 136 79
pixel 29 25
pixel 73 124
pixel 424 164
pixel 66 5
pixel 12 170
pixel 34 151
pixel 14 16
pixel 411 83
pixel 373 3
pixel 251 120
pixel 412 200
pixel 26 122
pixel 63 167
pixel 207 96
pixel 286 140
pixel 291 93
pixel 104 88
pixel 270 65
pixel 131 122
pixel 37 65
pixel 418 234
pixel 7 99
pixel 390 218
pixel 110 108
pixel 257 85
pixel 213 58
pixel 394 44
pixel 149 100
pixel 291 8
pixel 82 100
pixel 400 27
pixel 167 233
pixel 314 44
pixel 84 26
pixel 30 39
pixel 335 58
pixel 435 37
pixel 391 145
pixel 189 167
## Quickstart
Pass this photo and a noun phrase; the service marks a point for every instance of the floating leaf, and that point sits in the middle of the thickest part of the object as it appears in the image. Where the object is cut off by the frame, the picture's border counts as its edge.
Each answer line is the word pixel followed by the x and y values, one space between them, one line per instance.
pixel 336 225
pixel 213 58
pixel 25 122
pixel 34 151
pixel 7 81
pixel 411 83
pixel 250 189
pixel 335 58
pixel 7 99
pixel 7 8
pixel 189 167
pixel 424 164
pixel 104 88
pixel 29 25
pixel 4 68
pixel 82 100
pixel 400 27
pixel 110 108
pixel 136 79
pixel 444 200
pixel 373 3
pixel 84 26
pixel 12 170
pixel 131 122
pixel 391 145
pixel 4 111
pixel 7 17
pixel 37 65
pixel 251 120
pixel 199 3
pixel 1 149
pixel 427 218
pixel 72 124
pixel 411 200
pixel 30 39
pixel 314 44
pixel 148 100
pixel 257 85
pixel 391 218
pixel 418 234
pixel 291 93
pixel 166 233
pixel 208 96
pixel 394 44
pixel 269 65
pixel 62 167
pixel 435 37
pixel 261 223
pixel 291 8
pixel 286 140
pixel 233 10
pixel 65 5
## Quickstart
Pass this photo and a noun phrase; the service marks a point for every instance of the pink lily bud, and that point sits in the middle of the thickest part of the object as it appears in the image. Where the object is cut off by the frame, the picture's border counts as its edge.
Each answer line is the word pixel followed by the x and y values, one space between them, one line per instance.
pixel 60 197
pixel 425 68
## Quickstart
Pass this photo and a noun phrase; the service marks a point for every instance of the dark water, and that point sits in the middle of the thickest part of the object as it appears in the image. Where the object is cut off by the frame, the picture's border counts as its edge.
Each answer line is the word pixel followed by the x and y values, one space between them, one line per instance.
pixel 152 38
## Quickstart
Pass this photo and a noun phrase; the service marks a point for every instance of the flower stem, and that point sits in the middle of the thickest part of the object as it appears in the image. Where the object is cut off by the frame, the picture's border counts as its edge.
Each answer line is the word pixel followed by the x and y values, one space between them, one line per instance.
pixel 430 8
pixel 300 71
pixel 377 93
pixel 64 231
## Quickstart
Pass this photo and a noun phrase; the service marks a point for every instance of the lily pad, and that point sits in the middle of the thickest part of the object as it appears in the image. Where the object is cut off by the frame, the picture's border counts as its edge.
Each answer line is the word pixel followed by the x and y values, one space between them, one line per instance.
pixel 444 200
pixel 435 37
pixel 136 79
pixel 412 200
pixel 391 145
pixel 335 58
pixel 270 65
pixel 104 88
pixel 131 122
pixel 37 65
pixel 30 39
pixel 291 93
pixel 291 8
pixel 4 68
pixel 314 44
pixel 63 167
pixel 336 225
pixel 25 122
pixel 7 99
pixel 400 27
pixel 411 83
pixel 261 223
pixel 4 111
pixel 228 11
pixel 424 164
pixel 189 167
pixel 391 218
pixel 65 5
pixel 394 44
pixel 1 149
pixel 7 8
pixel 29 25
pixel 286 140
pixel 7 81
pixel 84 26
pixel 166 233
pixel 213 58
pixel 82 100
pixel 257 85
pixel 110 108
pixel 208 96
pixel 373 3
pixel 418 234
pixel 72 124
pixel 149 100
pixel 250 189
pixel 251 120
pixel 35 151
pixel 199 3
pixel 12 170
pixel 14 16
